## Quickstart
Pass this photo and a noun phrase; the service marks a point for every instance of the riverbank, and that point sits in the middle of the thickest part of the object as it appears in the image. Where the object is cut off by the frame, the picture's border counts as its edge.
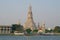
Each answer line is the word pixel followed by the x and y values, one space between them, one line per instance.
pixel 45 34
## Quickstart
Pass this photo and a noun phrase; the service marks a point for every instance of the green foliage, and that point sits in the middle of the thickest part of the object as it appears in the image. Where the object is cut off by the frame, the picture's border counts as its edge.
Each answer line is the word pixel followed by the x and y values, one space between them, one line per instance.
pixel 16 27
pixel 28 31
pixel 48 31
pixel 35 30
pixel 57 29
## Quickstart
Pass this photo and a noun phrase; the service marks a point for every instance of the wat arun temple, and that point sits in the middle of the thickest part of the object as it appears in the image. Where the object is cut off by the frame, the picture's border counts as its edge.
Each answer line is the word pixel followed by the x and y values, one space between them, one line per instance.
pixel 29 22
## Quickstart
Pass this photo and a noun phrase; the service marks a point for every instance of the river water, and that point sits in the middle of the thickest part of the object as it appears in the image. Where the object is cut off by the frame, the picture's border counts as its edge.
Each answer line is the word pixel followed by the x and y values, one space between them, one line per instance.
pixel 29 37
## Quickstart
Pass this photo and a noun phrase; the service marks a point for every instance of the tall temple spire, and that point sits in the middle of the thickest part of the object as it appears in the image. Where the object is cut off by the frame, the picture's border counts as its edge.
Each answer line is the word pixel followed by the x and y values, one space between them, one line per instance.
pixel 43 26
pixel 38 27
pixel 30 12
pixel 29 22
pixel 30 8
pixel 18 22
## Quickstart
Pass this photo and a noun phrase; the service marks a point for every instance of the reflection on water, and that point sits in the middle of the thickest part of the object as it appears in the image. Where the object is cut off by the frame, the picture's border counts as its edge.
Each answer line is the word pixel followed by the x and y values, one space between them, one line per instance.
pixel 29 37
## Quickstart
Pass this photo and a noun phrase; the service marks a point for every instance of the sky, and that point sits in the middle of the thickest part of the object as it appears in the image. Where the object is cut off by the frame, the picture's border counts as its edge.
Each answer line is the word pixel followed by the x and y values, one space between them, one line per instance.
pixel 44 11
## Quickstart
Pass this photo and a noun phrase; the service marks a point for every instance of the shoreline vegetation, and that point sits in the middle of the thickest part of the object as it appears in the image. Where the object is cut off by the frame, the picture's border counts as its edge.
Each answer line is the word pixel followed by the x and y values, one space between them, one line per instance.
pixel 45 34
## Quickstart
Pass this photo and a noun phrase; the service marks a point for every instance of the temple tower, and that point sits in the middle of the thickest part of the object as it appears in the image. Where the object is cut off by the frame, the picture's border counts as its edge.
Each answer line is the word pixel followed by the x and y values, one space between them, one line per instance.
pixel 29 22
pixel 41 29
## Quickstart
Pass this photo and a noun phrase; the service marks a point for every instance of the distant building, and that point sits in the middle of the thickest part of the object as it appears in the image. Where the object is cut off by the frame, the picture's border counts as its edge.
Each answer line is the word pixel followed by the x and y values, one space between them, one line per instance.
pixel 29 22
pixel 5 29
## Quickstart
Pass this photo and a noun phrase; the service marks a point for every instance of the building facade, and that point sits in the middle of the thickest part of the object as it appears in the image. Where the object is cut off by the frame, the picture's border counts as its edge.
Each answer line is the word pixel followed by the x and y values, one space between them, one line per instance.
pixel 5 29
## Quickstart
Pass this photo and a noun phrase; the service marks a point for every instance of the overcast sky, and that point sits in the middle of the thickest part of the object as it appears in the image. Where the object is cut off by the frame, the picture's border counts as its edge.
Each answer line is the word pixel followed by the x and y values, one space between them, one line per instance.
pixel 44 11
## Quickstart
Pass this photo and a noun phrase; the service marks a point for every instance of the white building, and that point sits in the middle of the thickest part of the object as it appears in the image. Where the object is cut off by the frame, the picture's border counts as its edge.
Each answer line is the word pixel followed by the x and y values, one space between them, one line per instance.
pixel 5 29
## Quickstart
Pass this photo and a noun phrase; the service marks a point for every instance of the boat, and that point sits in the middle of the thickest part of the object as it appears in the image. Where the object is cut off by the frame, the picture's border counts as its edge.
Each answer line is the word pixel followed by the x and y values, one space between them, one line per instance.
pixel 18 33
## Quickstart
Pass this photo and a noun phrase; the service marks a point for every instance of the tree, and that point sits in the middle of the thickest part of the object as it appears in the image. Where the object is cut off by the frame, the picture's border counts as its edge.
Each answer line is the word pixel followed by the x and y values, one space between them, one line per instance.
pixel 16 27
pixel 28 31
pixel 48 31
pixel 35 30
pixel 13 28
pixel 57 29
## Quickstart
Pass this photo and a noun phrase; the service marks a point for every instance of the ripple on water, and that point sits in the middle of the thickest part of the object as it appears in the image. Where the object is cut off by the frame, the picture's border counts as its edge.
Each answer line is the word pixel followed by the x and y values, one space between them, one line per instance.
pixel 29 37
